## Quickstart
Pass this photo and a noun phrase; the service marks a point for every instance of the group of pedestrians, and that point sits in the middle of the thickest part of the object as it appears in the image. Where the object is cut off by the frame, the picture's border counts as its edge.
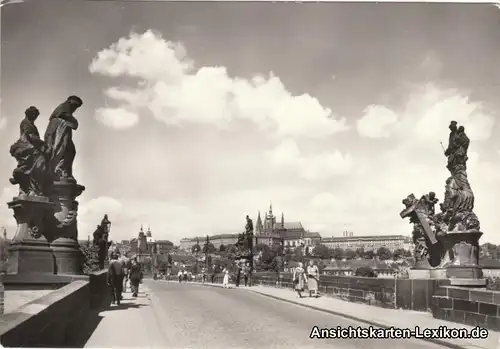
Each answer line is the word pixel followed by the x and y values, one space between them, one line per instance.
pixel 242 269
pixel 308 278
pixel 121 272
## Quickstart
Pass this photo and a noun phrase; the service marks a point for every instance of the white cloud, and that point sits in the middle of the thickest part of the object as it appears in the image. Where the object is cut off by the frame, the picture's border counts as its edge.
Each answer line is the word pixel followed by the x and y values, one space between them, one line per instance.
pixel 175 93
pixel 311 167
pixel 426 117
pixel 117 118
pixel 376 122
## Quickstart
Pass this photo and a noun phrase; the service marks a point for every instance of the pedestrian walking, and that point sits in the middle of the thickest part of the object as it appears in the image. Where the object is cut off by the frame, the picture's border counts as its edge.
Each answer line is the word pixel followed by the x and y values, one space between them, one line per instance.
pixel 214 273
pixel 203 275
pixel 299 280
pixel 115 278
pixel 185 276
pixel 135 276
pixel 225 280
pixel 246 273
pixel 312 279
pixel 126 266
pixel 238 274
pixel 179 275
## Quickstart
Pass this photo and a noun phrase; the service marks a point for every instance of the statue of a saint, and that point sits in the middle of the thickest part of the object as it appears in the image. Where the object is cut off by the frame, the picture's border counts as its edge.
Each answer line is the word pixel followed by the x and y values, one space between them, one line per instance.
pixel 430 202
pixel 249 234
pixel 106 224
pixel 29 151
pixel 59 138
pixel 450 151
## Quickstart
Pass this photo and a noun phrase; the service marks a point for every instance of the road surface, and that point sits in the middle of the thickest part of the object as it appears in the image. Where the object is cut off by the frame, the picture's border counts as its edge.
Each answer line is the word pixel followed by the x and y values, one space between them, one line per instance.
pixel 195 316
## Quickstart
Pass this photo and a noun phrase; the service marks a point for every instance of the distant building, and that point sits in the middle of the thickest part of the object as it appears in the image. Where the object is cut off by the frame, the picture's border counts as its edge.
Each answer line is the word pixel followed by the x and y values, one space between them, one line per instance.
pixel 266 232
pixel 350 241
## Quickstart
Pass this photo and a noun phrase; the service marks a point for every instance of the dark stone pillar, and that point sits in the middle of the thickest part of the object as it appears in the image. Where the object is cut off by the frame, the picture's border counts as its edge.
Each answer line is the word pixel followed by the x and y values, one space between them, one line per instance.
pixel 69 258
pixel 29 251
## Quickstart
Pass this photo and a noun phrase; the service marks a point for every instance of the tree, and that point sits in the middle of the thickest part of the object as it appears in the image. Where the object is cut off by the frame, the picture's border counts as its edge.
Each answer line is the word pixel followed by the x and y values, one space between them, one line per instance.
pixel 209 248
pixel 338 253
pixel 384 253
pixel 369 254
pixel 222 248
pixel 91 257
pixel 196 248
pixel 365 272
pixel 349 254
pixel 322 252
pixel 398 254
pixel 360 252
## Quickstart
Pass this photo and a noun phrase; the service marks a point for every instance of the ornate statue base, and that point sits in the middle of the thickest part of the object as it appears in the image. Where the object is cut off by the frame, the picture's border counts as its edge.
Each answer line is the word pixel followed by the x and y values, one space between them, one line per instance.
pixel 30 251
pixel 67 253
pixel 462 256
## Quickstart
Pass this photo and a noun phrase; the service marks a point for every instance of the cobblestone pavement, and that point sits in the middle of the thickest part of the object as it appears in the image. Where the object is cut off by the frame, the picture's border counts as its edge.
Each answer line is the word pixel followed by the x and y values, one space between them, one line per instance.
pixel 195 316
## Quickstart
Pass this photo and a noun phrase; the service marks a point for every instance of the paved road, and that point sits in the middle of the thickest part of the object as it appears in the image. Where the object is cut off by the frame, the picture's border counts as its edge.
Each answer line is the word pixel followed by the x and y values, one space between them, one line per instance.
pixel 195 316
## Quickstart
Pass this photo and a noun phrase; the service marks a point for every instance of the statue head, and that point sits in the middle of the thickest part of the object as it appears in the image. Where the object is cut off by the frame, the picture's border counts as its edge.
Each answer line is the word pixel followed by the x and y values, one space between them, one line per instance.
pixel 248 218
pixel 32 113
pixel 453 126
pixel 461 129
pixel 74 102
pixel 432 195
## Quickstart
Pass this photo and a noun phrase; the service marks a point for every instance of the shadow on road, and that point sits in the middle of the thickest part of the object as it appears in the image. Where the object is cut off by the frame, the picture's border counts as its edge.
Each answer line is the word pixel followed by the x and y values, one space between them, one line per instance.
pixel 123 306
pixel 85 331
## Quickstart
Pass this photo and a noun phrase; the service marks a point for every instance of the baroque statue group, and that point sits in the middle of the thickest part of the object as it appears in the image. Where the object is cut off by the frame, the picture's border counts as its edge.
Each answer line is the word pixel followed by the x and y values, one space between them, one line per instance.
pixel 45 208
pixel 448 241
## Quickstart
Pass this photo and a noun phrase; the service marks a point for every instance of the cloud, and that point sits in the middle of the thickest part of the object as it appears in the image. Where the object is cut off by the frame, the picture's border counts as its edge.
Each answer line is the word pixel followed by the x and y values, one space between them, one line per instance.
pixel 426 116
pixel 313 167
pixel 117 118
pixel 176 93
pixel 376 122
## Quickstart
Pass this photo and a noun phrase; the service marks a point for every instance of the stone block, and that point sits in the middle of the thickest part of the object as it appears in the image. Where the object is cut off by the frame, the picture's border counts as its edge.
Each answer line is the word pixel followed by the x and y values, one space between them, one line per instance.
pixel 483 296
pixel 474 319
pixel 455 316
pixel 458 293
pixel 488 309
pixel 465 305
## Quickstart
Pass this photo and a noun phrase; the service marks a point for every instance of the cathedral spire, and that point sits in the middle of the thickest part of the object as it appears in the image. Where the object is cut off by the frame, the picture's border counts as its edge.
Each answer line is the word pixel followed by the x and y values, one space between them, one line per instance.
pixel 282 220
pixel 271 208
pixel 142 228
pixel 258 225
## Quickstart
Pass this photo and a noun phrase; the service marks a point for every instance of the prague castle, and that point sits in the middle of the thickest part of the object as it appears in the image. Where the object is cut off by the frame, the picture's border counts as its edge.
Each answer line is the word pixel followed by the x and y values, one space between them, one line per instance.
pixel 267 231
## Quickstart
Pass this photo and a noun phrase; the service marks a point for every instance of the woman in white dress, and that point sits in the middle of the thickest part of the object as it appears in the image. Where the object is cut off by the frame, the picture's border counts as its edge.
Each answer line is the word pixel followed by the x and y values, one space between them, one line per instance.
pixel 225 280
pixel 312 279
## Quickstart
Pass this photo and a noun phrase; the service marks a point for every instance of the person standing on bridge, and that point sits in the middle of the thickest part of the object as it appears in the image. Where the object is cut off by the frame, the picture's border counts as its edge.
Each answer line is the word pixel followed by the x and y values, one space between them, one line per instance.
pixel 135 276
pixel 115 278
pixel 312 278
pixel 225 280
pixel 299 279
pixel 238 274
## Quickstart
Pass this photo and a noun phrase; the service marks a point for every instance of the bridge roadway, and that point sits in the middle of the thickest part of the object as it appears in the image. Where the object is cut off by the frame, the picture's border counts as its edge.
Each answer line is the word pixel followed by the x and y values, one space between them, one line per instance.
pixel 196 316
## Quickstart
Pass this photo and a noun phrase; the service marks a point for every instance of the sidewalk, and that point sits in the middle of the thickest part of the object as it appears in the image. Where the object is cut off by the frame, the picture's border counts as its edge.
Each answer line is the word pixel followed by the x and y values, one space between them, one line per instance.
pixel 132 324
pixel 376 316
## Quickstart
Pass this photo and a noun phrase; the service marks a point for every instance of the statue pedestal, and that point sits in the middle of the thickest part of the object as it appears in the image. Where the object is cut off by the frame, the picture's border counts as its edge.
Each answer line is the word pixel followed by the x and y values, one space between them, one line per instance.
pixel 463 251
pixel 415 273
pixel 69 258
pixel 29 251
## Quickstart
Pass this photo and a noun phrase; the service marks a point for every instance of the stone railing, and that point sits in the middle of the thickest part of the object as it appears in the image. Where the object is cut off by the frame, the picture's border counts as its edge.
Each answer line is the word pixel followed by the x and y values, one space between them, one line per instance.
pixel 58 319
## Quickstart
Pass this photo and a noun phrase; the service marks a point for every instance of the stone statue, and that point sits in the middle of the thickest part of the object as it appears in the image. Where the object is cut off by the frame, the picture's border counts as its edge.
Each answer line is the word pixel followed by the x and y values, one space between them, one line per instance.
pixel 59 139
pixel 29 151
pixel 106 225
pixel 249 234
pixel 449 238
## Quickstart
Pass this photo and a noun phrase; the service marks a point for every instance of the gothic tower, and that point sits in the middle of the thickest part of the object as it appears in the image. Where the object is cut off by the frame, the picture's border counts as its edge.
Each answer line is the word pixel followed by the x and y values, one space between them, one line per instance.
pixel 259 229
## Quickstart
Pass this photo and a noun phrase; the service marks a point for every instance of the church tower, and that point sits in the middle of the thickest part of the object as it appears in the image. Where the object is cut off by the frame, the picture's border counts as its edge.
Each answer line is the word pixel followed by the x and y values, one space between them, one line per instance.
pixel 282 220
pixel 259 229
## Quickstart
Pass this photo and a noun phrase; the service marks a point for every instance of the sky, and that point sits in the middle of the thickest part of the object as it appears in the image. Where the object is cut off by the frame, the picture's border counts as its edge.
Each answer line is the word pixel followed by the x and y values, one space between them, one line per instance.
pixel 197 114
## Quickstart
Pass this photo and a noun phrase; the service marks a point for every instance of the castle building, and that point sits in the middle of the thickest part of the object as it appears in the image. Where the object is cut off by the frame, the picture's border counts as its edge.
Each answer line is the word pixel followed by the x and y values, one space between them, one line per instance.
pixel 268 231
pixel 352 242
